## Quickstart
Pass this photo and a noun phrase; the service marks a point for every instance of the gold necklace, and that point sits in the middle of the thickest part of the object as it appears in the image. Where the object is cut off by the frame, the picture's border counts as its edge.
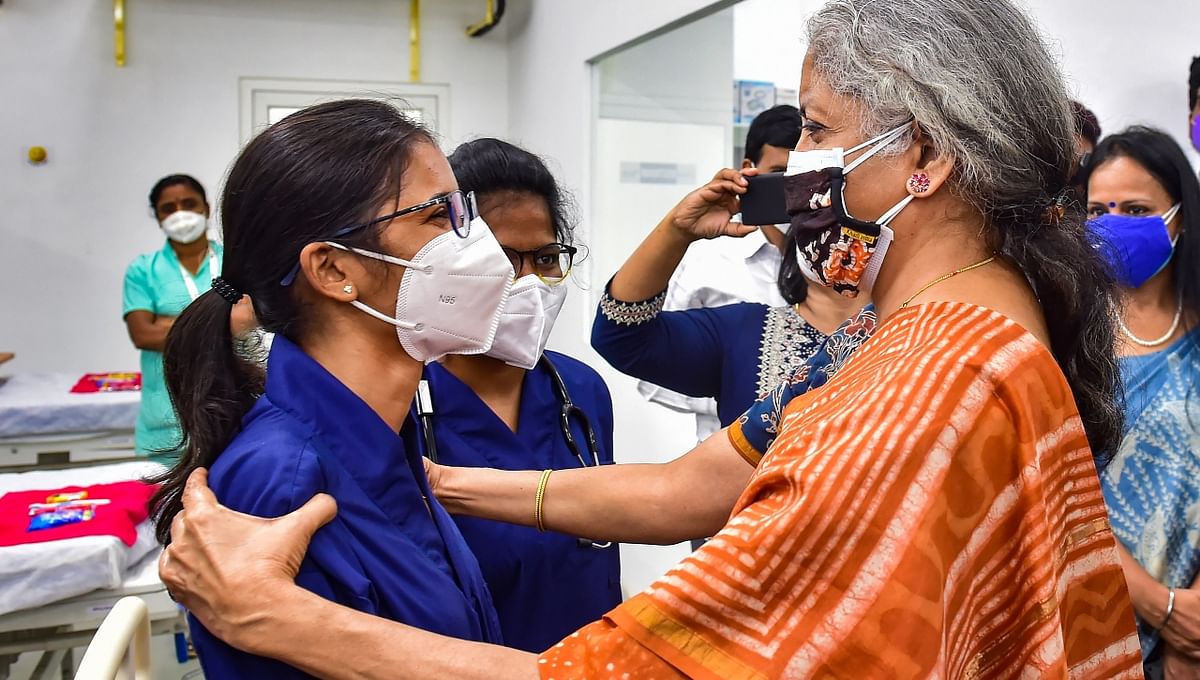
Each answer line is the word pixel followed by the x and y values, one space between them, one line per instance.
pixel 943 277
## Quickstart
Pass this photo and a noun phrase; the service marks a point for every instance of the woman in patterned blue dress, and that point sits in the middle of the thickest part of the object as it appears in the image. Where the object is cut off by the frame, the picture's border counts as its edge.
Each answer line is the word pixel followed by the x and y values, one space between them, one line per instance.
pixel 734 353
pixel 1144 200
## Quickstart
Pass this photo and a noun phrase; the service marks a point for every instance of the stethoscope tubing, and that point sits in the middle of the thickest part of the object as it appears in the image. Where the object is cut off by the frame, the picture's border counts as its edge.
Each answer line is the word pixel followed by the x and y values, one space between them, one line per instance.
pixel 425 413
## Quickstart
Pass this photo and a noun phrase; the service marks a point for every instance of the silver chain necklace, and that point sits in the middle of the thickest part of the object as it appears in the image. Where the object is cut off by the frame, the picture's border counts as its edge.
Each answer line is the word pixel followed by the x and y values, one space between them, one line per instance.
pixel 1157 341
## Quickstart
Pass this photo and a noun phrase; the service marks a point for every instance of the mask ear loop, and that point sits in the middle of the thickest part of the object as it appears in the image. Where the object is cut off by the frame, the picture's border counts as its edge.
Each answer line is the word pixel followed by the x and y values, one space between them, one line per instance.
pixel 890 215
pixel 382 258
pixel 408 325
pixel 1167 218
pixel 1171 214
pixel 881 142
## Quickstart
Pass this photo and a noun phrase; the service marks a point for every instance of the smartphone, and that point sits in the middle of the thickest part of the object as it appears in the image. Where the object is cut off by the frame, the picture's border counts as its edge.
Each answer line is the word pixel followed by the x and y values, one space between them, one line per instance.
pixel 764 201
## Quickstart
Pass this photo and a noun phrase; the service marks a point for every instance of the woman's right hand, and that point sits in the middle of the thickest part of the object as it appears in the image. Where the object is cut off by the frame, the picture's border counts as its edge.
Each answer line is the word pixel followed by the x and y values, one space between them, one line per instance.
pixel 433 473
pixel 705 213
pixel 241 317
pixel 1182 632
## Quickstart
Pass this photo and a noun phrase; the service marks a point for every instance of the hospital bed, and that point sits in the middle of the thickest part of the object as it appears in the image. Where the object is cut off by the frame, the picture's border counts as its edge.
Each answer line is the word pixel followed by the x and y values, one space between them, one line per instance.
pixel 54 595
pixel 43 424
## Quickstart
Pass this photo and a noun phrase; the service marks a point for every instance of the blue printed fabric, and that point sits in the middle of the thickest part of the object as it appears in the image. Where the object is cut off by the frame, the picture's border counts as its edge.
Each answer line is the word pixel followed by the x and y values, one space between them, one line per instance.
pixel 759 425
pixel 1152 484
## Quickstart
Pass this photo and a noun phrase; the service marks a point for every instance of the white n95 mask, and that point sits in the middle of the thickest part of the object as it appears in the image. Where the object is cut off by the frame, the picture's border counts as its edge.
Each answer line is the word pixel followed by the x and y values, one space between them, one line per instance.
pixel 184 226
pixel 450 296
pixel 526 321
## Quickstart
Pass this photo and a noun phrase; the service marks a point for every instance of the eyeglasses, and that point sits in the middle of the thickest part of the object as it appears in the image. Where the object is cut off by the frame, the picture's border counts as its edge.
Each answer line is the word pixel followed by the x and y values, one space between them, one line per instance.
pixel 460 207
pixel 551 263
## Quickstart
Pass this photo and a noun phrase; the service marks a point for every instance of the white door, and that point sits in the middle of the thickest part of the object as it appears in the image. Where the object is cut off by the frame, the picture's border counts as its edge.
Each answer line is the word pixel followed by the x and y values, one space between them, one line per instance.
pixel 265 101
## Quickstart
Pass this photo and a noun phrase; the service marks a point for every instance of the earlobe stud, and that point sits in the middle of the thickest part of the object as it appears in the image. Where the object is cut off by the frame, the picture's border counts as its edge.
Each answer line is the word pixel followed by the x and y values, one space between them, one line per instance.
pixel 918 183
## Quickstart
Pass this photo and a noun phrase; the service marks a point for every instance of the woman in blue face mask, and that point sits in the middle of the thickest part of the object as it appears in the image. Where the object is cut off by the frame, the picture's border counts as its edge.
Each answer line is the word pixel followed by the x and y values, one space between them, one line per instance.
pixel 1144 204
pixel 506 408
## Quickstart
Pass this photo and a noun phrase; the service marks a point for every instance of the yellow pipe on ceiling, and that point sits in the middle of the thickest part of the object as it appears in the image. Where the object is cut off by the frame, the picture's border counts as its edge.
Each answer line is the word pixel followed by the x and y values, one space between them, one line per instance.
pixel 119 32
pixel 488 19
pixel 414 40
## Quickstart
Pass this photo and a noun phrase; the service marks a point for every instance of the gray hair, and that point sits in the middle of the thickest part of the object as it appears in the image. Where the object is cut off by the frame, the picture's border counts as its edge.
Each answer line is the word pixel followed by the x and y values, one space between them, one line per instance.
pixel 981 84
pixel 976 77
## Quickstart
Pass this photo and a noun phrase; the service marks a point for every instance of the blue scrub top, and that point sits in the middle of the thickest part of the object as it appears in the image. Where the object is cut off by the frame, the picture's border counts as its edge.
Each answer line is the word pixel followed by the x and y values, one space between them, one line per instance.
pixel 154 283
pixel 545 585
pixel 712 352
pixel 387 553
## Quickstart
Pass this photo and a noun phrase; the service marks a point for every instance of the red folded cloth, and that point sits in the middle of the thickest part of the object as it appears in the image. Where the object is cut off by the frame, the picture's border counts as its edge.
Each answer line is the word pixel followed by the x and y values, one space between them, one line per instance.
pixel 126 509
pixel 108 382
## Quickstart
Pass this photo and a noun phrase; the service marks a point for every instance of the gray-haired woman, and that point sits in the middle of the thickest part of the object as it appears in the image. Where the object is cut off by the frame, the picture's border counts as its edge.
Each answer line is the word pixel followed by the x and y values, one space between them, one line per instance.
pixel 932 511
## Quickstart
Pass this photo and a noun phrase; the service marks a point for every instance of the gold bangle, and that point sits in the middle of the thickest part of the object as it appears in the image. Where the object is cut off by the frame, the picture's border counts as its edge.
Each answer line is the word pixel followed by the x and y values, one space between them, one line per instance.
pixel 538 519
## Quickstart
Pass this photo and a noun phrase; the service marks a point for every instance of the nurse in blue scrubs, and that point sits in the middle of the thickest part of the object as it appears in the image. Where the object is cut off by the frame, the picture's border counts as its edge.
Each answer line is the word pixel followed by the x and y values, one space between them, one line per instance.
pixel 505 409
pixel 158 286
pixel 345 227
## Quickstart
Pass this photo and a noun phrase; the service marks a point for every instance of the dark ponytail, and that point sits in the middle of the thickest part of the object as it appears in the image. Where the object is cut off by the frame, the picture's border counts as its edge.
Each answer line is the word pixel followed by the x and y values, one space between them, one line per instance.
pixel 1037 223
pixel 1047 242
pixel 211 389
pixel 300 181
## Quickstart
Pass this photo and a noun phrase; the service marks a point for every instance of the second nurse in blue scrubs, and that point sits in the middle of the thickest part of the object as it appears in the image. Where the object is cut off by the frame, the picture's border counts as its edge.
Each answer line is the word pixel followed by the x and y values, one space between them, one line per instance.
pixel 505 409
pixel 345 227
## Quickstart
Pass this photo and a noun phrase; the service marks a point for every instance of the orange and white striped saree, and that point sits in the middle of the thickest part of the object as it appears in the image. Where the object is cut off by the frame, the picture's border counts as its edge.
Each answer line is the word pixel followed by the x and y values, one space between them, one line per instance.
pixel 932 512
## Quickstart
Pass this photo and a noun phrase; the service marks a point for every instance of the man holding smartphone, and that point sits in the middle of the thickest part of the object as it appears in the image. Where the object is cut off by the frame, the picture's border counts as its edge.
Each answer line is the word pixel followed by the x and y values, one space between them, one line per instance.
pixel 725 270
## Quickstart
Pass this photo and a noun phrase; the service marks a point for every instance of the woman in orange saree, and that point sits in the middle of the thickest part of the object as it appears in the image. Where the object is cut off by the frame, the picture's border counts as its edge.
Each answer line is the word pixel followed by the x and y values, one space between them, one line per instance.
pixel 932 511
pixel 969 548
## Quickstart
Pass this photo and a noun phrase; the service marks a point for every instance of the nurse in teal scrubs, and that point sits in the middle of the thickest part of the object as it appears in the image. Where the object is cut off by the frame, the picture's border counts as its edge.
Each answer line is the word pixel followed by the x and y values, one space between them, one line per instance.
pixel 158 286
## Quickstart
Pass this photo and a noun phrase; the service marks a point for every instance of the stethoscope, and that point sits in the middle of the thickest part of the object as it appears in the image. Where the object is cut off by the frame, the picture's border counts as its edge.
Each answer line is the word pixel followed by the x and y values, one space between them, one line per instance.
pixel 568 410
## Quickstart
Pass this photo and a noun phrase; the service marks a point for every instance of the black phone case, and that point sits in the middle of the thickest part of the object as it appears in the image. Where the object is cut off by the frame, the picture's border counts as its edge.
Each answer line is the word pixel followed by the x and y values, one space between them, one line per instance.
pixel 764 201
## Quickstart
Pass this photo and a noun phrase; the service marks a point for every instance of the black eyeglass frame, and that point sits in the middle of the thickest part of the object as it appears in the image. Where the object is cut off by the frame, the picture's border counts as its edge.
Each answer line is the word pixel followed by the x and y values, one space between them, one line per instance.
pixel 517 259
pixel 463 230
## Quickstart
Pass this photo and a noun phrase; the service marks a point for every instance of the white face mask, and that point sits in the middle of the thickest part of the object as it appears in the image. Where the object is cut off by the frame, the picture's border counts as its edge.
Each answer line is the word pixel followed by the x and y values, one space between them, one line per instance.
pixel 526 321
pixel 185 226
pixel 450 296
pixel 817 160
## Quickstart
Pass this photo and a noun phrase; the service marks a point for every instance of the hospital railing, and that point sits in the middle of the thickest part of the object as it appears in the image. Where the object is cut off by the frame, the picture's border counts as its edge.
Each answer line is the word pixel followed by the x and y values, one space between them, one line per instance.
pixel 120 650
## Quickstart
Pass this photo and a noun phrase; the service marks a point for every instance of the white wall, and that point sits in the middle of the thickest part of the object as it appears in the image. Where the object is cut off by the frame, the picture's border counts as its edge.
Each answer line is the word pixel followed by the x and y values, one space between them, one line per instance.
pixel 666 100
pixel 680 76
pixel 69 228
pixel 768 40
pixel 1127 63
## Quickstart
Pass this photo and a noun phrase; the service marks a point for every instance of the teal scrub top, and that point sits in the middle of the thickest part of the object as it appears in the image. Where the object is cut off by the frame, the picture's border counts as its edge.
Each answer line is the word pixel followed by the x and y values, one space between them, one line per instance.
pixel 154 282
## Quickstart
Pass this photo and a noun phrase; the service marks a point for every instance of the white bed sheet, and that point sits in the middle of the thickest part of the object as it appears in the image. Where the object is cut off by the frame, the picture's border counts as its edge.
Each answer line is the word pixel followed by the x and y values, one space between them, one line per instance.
pixel 36 574
pixel 42 403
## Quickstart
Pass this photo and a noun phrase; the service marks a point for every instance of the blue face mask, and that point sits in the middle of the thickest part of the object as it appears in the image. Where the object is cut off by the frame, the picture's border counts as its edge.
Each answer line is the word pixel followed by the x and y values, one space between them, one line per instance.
pixel 1135 248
